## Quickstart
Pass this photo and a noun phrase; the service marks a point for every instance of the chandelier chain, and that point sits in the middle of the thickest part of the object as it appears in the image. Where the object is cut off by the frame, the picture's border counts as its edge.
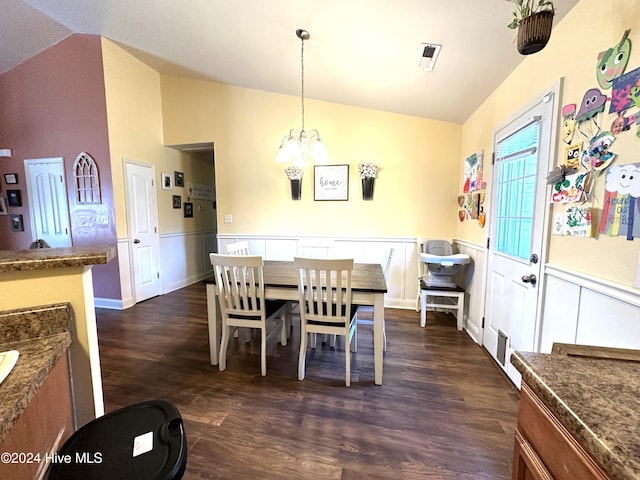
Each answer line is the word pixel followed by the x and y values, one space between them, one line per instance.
pixel 302 78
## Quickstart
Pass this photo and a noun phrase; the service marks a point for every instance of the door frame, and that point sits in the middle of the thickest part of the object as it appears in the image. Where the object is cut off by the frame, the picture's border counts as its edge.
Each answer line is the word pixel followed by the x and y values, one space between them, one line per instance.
pixel 555 90
pixel 132 273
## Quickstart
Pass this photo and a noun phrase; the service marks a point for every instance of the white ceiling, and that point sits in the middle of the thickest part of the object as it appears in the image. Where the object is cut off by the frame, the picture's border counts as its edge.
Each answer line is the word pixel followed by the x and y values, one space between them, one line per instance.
pixel 361 52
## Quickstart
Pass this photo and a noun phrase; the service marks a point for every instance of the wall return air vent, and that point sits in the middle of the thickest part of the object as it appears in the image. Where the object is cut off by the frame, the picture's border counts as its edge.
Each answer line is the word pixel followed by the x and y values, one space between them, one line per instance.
pixel 428 55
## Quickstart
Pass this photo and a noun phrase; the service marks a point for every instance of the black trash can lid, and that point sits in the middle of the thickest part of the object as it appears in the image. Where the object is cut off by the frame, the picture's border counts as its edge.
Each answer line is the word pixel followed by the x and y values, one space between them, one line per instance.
pixel 145 441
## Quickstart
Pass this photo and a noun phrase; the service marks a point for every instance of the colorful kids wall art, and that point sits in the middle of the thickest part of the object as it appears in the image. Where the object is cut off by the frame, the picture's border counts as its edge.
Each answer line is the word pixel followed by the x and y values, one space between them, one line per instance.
pixel 621 206
pixel 575 221
pixel 471 206
pixel 591 108
pixel 473 172
pixel 569 189
pixel 569 122
pixel 613 61
pixel 625 93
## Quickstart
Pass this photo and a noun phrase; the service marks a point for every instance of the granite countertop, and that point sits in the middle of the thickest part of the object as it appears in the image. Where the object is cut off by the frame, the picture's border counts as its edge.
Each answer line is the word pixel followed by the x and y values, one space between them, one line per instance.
pixel 596 397
pixel 41 335
pixel 46 258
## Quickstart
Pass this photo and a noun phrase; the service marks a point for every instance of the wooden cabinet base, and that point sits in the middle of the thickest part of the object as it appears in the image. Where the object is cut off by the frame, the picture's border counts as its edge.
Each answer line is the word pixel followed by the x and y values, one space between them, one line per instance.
pixel 43 426
pixel 545 449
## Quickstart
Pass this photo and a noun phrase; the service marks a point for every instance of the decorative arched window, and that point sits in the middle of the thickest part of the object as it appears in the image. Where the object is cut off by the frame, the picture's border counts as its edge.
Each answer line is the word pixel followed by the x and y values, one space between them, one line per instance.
pixel 85 172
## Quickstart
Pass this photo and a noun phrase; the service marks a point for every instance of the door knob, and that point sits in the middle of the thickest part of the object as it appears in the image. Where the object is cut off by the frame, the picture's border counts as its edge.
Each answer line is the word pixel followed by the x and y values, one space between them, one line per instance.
pixel 532 279
pixel 138 241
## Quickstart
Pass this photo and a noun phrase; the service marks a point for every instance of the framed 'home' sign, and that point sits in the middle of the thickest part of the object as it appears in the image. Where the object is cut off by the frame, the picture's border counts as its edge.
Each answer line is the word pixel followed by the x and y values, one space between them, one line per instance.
pixel 331 182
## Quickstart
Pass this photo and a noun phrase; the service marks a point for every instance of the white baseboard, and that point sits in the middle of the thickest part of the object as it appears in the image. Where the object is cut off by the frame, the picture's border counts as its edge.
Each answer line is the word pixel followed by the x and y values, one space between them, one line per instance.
pixel 109 303
pixel 186 282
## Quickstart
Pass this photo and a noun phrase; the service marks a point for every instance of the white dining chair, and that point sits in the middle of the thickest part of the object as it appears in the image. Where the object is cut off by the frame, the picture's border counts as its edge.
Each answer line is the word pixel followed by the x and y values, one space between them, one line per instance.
pixel 316 248
pixel 238 248
pixel 324 287
pixel 240 292
pixel 364 313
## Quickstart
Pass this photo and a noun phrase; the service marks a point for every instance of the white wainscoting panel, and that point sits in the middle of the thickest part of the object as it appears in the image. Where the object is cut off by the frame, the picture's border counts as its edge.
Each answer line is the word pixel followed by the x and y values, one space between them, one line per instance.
pixel 472 280
pixel 184 259
pixel 607 322
pixel 403 274
pixel 588 311
pixel 560 312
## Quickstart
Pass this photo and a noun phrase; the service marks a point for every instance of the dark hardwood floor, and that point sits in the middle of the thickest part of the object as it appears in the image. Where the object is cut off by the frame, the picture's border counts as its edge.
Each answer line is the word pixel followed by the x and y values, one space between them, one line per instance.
pixel 444 411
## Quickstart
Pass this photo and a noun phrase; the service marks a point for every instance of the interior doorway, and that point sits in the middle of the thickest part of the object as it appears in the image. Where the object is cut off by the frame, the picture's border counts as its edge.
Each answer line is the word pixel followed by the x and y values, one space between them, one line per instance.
pixel 142 223
pixel 48 203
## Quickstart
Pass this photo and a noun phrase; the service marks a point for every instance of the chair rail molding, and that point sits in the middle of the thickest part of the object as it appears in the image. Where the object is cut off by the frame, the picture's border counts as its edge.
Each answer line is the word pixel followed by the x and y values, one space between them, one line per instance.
pixel 611 289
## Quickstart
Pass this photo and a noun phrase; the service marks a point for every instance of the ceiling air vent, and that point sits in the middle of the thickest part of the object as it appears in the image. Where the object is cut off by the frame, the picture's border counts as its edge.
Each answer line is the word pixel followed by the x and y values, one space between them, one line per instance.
pixel 429 54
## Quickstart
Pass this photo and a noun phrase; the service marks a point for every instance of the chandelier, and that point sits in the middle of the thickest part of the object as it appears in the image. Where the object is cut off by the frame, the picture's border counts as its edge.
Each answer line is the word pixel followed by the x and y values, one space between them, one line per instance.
pixel 300 147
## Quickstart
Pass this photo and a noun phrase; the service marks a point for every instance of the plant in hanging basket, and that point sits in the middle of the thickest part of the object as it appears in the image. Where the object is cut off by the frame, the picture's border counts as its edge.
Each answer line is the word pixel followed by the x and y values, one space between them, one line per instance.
pixel 533 19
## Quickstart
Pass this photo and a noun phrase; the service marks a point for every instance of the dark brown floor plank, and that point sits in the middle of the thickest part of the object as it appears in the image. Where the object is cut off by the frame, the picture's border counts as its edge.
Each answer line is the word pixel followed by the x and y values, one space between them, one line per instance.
pixel 445 411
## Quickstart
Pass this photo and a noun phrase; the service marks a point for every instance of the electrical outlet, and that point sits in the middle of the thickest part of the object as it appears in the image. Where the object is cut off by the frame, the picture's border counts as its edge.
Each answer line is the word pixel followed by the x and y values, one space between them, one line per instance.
pixel 228 218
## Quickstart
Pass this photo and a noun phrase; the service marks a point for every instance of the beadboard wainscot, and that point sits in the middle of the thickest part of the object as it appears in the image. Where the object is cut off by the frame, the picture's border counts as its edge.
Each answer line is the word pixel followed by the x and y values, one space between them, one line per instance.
pixel 402 281
pixel 472 279
pixel 184 259
pixel 581 309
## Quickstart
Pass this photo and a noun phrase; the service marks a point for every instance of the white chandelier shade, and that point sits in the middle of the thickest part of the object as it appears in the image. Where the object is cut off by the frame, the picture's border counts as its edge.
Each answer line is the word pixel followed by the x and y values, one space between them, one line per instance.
pixel 300 148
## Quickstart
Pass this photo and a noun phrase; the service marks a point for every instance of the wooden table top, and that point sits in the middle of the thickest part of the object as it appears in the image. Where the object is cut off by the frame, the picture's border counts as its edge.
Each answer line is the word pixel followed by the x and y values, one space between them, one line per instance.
pixel 366 277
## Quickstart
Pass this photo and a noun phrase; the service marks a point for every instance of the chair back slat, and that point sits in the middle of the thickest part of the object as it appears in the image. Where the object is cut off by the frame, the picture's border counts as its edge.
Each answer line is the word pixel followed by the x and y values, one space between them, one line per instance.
pixel 238 248
pixel 325 289
pixel 240 283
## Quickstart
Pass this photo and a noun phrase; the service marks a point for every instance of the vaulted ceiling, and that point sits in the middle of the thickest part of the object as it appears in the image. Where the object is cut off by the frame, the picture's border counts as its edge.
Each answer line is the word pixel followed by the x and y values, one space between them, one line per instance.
pixel 361 52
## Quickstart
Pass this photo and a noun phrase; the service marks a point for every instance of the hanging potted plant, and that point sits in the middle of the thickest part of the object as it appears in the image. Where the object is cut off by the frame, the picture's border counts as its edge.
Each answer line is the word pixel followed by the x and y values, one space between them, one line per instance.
pixel 533 19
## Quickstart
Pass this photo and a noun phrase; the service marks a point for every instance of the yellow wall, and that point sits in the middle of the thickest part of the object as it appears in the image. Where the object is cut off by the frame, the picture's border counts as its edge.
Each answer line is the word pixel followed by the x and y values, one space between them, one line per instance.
pixel 591 27
pixel 65 285
pixel 196 169
pixel 418 159
pixel 134 114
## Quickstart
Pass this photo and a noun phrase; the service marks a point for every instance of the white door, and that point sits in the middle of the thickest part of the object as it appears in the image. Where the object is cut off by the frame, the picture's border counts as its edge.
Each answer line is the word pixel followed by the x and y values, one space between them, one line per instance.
pixel 48 206
pixel 517 241
pixel 142 222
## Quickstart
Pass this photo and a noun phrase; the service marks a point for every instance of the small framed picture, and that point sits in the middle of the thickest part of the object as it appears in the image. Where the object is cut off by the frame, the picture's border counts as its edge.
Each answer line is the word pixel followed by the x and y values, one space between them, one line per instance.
pixel 11 178
pixel 3 207
pixel 15 198
pixel 166 181
pixel 179 179
pixel 16 223
pixel 331 182
pixel 177 201
pixel 188 209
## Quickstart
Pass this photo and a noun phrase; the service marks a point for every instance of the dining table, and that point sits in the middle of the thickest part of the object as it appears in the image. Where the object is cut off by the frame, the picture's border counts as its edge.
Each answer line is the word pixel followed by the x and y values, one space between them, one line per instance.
pixel 368 287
